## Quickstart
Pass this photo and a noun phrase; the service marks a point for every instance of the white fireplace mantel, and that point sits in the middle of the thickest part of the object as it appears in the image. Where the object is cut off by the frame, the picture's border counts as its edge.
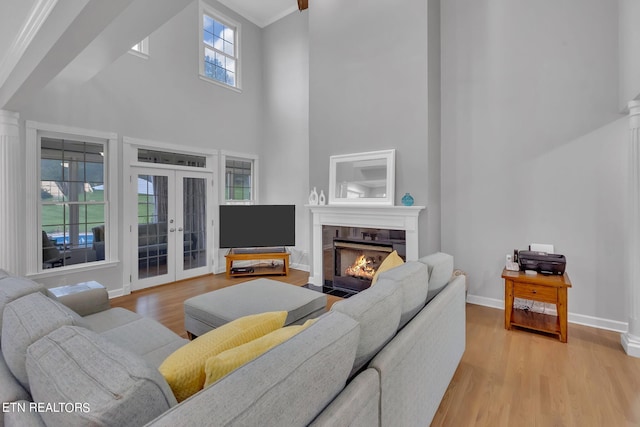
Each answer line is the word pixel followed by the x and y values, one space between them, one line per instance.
pixel 385 217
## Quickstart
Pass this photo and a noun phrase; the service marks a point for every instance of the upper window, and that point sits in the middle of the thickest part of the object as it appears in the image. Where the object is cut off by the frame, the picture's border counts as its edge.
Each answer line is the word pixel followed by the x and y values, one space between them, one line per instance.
pixel 73 206
pixel 219 49
pixel 141 48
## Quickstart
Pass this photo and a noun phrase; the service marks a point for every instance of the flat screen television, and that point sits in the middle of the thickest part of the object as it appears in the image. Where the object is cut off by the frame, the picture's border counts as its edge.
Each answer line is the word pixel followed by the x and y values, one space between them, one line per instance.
pixel 252 226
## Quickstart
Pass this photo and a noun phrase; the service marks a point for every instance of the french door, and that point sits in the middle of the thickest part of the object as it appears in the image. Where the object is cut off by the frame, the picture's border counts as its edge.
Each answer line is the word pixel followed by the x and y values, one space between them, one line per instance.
pixel 171 231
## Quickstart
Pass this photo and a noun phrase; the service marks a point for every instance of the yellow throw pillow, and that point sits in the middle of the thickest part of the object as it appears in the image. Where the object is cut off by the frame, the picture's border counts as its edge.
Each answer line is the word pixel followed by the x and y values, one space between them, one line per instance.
pixel 392 260
pixel 184 368
pixel 230 360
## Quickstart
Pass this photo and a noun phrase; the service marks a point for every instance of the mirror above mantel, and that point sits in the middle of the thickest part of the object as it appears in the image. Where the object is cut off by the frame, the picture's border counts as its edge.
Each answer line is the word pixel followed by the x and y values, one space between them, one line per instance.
pixel 362 178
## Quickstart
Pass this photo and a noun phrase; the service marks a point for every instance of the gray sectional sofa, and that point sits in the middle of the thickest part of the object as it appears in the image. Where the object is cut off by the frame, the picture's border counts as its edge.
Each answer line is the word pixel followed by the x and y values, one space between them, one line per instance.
pixel 381 357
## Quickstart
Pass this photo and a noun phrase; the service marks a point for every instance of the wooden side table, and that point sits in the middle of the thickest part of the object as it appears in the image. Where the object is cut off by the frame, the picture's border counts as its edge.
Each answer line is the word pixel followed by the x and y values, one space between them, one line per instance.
pixel 551 289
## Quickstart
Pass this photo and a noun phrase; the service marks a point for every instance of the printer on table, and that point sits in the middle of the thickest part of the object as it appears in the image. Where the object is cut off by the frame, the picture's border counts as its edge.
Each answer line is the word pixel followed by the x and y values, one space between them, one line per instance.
pixel 542 262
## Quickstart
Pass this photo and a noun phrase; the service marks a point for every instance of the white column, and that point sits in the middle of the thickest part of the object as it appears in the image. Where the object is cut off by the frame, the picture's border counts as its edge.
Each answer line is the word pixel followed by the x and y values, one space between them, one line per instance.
pixel 631 339
pixel 11 178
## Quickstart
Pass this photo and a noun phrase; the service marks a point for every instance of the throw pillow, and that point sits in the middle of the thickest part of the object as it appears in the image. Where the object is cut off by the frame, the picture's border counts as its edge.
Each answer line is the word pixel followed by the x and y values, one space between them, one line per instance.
pixel 392 260
pixel 230 360
pixel 184 368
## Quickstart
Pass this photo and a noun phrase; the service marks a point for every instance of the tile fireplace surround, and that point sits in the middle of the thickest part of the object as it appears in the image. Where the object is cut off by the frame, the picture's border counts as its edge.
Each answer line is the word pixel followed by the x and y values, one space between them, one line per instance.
pixel 386 217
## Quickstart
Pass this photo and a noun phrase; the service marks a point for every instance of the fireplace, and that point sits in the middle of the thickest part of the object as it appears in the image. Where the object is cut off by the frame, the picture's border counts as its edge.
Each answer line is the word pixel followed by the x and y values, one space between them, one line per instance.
pixel 367 223
pixel 352 255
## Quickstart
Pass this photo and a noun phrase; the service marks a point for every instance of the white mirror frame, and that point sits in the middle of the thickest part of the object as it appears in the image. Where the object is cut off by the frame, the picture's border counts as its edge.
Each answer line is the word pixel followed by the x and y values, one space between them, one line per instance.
pixel 389 156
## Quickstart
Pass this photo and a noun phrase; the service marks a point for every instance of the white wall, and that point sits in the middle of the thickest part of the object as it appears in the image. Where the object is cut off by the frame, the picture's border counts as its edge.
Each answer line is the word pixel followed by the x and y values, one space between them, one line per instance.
pixel 162 99
pixel 533 149
pixel 285 142
pixel 368 88
pixel 629 35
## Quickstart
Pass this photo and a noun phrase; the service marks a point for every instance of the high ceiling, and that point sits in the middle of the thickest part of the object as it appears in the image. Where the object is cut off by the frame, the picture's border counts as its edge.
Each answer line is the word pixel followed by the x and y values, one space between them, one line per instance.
pixel 262 12
pixel 84 36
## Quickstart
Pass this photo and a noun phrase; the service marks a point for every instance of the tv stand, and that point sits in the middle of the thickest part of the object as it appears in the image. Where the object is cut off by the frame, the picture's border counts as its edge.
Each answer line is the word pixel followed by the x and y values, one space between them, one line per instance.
pixel 243 254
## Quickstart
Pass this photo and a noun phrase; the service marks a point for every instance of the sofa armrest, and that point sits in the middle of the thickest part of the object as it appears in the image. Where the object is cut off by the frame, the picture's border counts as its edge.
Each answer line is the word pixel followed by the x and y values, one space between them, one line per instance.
pixel 83 298
pixel 357 405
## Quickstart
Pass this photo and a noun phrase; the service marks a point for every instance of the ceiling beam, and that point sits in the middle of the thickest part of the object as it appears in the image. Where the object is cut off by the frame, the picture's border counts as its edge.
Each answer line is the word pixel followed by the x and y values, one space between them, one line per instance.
pixel 78 40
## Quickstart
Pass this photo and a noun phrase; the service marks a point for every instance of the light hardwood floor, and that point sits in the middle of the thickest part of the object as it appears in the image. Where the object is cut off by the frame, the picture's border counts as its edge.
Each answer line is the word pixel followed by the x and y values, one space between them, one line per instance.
pixel 505 378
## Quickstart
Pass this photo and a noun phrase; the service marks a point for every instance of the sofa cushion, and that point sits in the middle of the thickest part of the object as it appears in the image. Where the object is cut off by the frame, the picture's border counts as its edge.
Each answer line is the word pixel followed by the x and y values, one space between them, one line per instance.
pixel 392 260
pixel 12 288
pixel 413 278
pixel 184 368
pixel 109 319
pixel 26 320
pixel 73 364
pixel 220 365
pixel 377 310
pixel 146 338
pixel 440 267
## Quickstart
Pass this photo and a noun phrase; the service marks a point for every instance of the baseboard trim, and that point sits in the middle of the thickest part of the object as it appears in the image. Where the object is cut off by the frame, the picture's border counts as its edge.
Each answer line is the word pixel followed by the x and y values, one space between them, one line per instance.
pixel 630 344
pixel 303 267
pixel 117 293
pixel 579 319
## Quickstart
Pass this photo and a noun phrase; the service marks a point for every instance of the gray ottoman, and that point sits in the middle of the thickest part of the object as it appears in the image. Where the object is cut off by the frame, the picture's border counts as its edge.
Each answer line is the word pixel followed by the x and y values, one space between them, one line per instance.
pixel 213 309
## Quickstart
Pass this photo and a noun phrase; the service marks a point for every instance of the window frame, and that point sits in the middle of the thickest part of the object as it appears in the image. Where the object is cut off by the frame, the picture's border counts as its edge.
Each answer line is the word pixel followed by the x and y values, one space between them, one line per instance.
pixel 34 132
pixel 205 9
pixel 144 49
pixel 229 155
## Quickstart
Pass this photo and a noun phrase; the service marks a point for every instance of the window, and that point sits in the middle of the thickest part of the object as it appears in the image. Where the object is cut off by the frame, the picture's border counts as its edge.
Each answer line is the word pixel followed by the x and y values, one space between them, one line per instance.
pixel 72 201
pixel 169 158
pixel 239 179
pixel 219 49
pixel 69 197
pixel 141 48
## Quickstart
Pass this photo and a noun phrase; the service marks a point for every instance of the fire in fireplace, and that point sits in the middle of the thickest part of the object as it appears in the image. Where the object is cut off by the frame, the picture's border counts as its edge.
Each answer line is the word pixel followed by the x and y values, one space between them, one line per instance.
pixel 356 261
pixel 363 267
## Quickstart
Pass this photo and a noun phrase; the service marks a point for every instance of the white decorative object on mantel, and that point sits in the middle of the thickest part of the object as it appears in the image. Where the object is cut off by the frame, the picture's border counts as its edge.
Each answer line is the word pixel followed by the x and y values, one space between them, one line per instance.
pixel 385 217
pixel 322 200
pixel 313 197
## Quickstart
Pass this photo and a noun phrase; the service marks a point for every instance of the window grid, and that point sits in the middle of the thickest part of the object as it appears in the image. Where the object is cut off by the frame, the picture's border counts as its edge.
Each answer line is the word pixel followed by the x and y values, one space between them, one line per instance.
pixel 220 50
pixel 239 180
pixel 141 48
pixel 72 200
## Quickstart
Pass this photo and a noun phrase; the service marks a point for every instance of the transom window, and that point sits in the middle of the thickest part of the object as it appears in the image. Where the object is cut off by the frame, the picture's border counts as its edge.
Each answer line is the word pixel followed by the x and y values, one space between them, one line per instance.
pixel 219 48
pixel 170 158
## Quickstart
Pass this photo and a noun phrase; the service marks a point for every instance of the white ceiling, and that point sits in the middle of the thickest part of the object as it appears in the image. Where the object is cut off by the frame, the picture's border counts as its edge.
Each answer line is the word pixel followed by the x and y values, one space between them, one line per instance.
pixel 262 12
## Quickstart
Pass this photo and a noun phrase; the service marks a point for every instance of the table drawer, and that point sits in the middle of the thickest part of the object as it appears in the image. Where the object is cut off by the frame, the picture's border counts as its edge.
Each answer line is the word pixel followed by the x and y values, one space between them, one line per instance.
pixel 533 292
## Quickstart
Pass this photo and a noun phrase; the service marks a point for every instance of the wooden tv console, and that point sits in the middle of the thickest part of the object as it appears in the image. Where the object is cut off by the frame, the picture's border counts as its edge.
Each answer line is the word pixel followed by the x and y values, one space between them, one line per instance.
pixel 249 255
